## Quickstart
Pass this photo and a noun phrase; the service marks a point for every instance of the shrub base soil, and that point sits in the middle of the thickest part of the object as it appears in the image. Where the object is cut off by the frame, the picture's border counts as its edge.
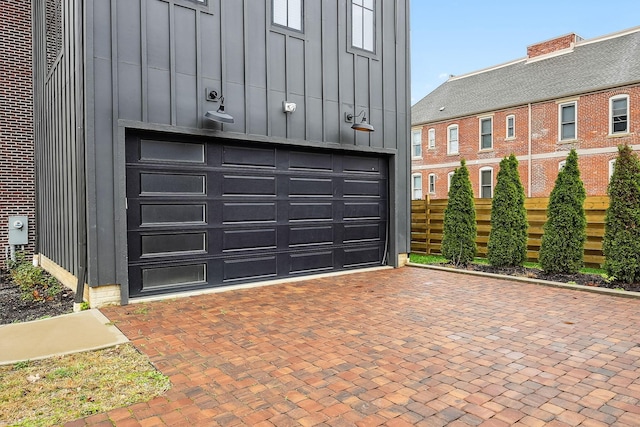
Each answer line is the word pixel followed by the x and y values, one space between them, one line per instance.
pixel 14 308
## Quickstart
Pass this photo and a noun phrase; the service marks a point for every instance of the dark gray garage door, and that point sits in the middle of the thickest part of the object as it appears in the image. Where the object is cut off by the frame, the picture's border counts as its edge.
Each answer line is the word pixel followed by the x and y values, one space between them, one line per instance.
pixel 204 214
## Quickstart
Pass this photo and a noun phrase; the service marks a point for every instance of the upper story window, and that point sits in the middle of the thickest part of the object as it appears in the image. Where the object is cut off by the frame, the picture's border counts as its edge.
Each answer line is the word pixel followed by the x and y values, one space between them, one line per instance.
pixel 452 139
pixel 511 126
pixel 432 183
pixel 416 143
pixel 568 126
pixel 618 113
pixel 416 186
pixel 486 183
pixel 449 178
pixel 432 138
pixel 486 133
pixel 362 24
pixel 612 165
pixel 288 13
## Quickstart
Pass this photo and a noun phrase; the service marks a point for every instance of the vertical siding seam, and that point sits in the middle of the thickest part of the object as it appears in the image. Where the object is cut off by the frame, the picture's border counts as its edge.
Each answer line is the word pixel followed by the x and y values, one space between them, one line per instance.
pixel 114 118
pixel 172 65
pixel 287 120
pixel 341 34
pixel 322 74
pixel 245 49
pixel 199 86
pixel 144 81
pixel 267 53
pixel 223 71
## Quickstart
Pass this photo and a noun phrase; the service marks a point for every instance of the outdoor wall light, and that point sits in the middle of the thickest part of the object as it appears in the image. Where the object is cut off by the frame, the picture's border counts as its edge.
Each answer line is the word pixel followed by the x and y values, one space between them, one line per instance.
pixel 219 115
pixel 363 126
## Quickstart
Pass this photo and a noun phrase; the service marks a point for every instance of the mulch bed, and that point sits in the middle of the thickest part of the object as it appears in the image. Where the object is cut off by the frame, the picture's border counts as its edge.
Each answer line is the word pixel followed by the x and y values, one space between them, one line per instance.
pixel 14 308
pixel 534 273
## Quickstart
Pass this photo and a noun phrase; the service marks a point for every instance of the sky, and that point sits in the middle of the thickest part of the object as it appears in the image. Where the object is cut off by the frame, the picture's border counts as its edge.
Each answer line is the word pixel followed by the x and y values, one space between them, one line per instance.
pixel 460 36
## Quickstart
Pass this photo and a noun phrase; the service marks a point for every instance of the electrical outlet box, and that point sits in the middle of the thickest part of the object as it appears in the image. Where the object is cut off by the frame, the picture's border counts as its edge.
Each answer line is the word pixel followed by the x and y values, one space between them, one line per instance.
pixel 18 230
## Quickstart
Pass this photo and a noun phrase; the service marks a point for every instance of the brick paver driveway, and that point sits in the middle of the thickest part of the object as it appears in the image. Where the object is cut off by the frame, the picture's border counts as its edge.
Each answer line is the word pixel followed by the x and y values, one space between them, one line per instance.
pixel 392 347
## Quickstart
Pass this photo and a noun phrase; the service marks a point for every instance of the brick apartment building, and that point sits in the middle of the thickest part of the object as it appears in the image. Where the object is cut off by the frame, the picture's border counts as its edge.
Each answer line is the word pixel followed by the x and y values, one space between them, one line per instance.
pixel 566 93
pixel 17 181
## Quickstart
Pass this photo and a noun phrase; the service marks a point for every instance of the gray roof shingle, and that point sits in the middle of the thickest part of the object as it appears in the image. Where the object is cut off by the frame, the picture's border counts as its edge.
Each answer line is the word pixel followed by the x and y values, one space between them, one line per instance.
pixel 600 63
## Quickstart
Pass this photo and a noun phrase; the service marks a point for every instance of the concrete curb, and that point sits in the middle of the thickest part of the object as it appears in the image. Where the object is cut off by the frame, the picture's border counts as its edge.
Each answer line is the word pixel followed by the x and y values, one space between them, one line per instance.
pixel 593 289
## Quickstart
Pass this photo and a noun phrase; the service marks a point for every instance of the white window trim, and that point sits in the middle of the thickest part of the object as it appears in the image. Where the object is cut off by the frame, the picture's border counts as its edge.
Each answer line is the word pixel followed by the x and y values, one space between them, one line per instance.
pixel 373 35
pixel 615 98
pixel 484 169
pixel 561 165
pixel 414 132
pixel 287 24
pixel 432 183
pixel 449 178
pixel 575 120
pixel 413 188
pixel 612 164
pixel 480 120
pixel 506 133
pixel 449 140
pixel 432 138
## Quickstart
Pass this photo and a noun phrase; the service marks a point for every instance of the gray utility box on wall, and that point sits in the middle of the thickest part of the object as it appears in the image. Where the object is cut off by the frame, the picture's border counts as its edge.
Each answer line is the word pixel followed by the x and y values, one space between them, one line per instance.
pixel 18 230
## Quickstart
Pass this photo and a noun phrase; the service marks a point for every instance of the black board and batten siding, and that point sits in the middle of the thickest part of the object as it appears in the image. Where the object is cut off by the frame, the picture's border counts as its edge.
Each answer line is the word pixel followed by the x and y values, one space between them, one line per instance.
pixel 148 64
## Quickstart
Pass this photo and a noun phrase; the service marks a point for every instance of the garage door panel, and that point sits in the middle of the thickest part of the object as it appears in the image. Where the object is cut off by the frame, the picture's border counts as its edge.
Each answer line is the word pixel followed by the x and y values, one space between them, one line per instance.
pixel 250 186
pixel 310 211
pixel 310 236
pixel 362 188
pixel 312 262
pixel 248 212
pixel 253 268
pixel 159 214
pixel 163 183
pixel 362 210
pixel 173 244
pixel 310 161
pixel 174 276
pixel 361 164
pixel 310 187
pixel 362 256
pixel 171 151
pixel 248 156
pixel 237 240
pixel 363 233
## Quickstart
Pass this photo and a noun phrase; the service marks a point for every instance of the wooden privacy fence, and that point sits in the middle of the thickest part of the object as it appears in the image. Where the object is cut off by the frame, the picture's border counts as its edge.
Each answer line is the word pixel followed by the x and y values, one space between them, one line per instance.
pixel 427 220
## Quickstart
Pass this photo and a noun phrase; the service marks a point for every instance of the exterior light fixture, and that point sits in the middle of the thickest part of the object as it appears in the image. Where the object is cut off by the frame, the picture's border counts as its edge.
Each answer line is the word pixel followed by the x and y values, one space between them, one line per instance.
pixel 219 115
pixel 363 126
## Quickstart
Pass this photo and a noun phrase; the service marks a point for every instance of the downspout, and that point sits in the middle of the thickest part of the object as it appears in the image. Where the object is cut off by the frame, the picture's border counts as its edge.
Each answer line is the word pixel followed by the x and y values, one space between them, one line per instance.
pixel 529 167
pixel 80 155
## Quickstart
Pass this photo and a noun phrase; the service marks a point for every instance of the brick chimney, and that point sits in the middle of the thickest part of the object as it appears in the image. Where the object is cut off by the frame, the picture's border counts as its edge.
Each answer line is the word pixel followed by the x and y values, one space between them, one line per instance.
pixel 553 45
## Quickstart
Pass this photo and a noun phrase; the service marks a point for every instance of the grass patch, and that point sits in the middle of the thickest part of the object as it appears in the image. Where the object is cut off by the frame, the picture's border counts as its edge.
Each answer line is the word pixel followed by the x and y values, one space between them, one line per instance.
pixel 61 389
pixel 439 259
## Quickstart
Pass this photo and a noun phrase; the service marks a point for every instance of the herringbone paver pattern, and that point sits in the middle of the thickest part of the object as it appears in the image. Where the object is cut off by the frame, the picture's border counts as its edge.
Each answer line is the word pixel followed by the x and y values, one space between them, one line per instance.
pixel 393 347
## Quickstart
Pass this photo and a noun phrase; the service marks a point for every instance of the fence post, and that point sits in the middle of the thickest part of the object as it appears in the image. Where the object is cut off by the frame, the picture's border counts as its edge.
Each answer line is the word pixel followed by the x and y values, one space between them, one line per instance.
pixel 427 216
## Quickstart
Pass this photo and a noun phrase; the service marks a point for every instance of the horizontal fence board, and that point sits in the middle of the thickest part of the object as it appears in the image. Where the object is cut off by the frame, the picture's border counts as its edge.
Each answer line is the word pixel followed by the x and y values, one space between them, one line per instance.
pixel 427 222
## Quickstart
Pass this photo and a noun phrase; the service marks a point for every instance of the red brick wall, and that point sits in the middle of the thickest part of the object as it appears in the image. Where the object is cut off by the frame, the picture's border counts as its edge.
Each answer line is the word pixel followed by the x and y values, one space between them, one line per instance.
pixel 592 139
pixel 17 182
pixel 549 46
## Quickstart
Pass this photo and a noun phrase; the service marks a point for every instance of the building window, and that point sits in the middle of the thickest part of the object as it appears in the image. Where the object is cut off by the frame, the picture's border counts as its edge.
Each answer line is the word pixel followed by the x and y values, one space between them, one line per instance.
pixel 568 121
pixel 561 165
pixel 511 127
pixel 416 143
pixel 486 183
pixel 288 13
pixel 612 165
pixel 618 111
pixel 362 24
pixel 452 139
pixel 432 138
pixel 449 178
pixel 416 186
pixel 432 183
pixel 486 133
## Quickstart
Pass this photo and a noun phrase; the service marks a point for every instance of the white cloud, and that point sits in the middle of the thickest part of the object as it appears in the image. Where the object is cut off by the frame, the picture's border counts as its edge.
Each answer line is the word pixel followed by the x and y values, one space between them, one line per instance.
pixel 443 76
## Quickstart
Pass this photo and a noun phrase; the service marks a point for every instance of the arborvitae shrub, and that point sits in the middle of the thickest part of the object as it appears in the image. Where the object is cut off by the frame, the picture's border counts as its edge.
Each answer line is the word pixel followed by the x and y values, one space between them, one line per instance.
pixel 459 235
pixel 507 246
pixel 621 243
pixel 564 232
